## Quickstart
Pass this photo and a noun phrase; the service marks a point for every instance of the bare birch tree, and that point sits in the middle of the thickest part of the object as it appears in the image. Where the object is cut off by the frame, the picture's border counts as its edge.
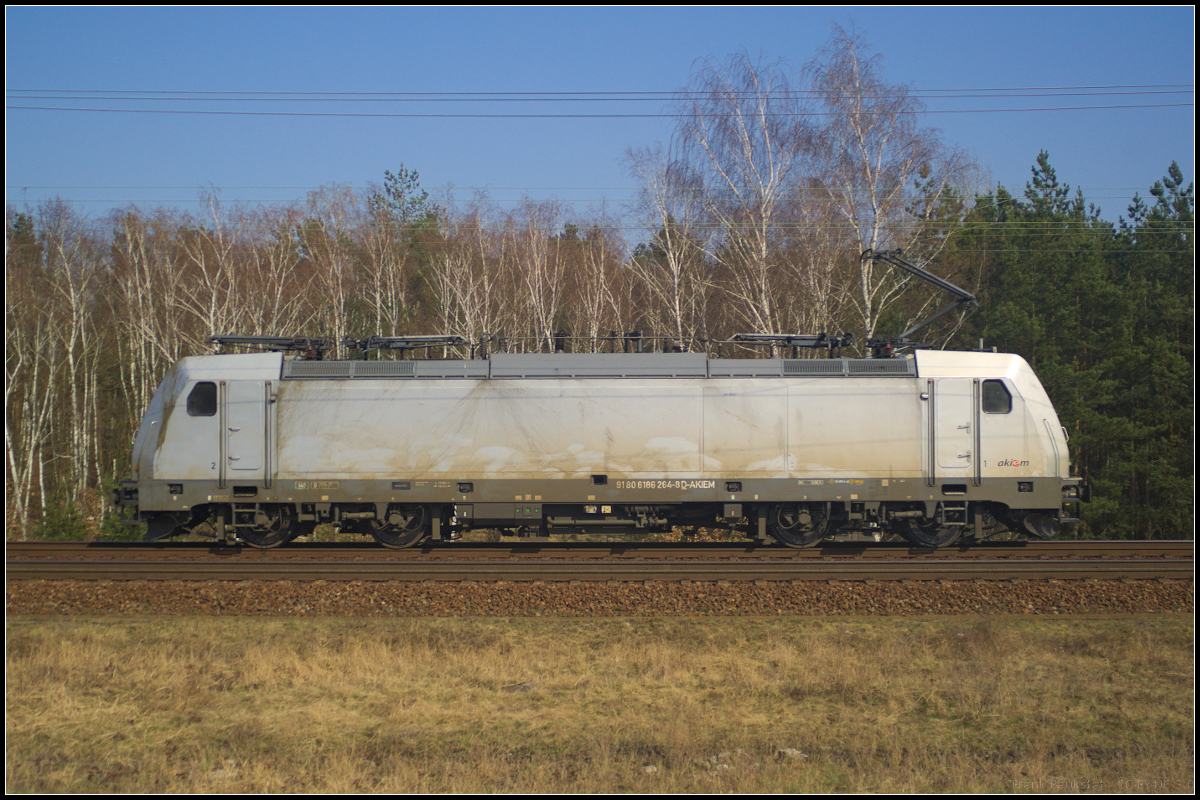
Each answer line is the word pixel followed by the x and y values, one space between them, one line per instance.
pixel 538 268
pixel 274 281
pixel 594 270
pixel 815 257
pixel 388 269
pixel 147 303
pixel 72 262
pixel 463 278
pixel 744 133
pixel 31 366
pixel 869 151
pixel 212 295
pixel 324 239
pixel 673 268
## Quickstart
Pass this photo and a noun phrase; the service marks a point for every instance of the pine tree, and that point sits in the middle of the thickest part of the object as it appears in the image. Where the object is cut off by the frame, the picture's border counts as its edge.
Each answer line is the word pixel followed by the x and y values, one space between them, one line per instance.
pixel 1156 267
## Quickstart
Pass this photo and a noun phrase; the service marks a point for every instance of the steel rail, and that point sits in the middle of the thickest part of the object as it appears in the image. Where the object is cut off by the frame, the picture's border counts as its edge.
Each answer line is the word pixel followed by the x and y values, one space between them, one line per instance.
pixel 603 562
pixel 541 548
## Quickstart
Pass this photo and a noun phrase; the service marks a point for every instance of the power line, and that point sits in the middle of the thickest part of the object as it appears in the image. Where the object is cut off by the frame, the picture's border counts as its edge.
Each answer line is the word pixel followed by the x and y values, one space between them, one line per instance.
pixel 378 115
pixel 782 230
pixel 632 93
pixel 1020 199
pixel 681 228
pixel 567 99
pixel 456 187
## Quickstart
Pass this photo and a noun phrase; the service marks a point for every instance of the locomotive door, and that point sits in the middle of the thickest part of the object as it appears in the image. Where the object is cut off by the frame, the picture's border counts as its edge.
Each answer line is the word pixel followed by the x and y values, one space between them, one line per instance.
pixel 245 429
pixel 953 427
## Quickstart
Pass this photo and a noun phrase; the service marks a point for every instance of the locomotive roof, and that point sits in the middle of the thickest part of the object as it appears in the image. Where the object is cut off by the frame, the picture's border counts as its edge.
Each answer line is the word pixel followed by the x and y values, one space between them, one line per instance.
pixel 508 366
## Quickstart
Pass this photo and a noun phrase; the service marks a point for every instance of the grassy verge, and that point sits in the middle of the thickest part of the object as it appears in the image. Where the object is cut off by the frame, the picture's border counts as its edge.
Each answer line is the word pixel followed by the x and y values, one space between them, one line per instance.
pixel 549 705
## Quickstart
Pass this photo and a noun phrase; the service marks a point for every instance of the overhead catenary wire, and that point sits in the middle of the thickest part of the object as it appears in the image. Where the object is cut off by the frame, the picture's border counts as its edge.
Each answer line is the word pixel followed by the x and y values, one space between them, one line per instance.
pixel 376 115
pixel 671 94
pixel 779 233
pixel 458 187
pixel 437 195
pixel 15 96
pixel 574 98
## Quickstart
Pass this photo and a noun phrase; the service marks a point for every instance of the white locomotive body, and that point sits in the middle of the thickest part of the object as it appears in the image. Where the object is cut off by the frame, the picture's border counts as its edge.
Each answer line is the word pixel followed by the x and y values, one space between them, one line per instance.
pixel 928 446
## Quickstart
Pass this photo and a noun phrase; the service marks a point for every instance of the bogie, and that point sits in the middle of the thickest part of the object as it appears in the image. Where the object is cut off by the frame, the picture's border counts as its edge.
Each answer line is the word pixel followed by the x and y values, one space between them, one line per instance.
pixel 797 525
pixel 404 527
pixel 924 533
pixel 264 526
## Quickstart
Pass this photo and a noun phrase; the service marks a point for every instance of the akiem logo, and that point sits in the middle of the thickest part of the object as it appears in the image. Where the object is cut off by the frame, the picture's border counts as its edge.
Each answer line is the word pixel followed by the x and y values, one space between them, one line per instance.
pixel 1012 462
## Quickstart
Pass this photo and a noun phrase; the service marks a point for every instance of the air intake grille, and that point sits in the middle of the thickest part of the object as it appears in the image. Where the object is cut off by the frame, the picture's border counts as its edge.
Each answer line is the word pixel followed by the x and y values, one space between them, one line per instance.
pixel 814 367
pixel 849 367
pixel 882 366
pixel 384 369
pixel 317 369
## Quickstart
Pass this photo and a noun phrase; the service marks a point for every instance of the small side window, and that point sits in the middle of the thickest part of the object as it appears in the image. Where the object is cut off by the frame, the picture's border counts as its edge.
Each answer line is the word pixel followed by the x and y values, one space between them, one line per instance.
pixel 996 399
pixel 202 402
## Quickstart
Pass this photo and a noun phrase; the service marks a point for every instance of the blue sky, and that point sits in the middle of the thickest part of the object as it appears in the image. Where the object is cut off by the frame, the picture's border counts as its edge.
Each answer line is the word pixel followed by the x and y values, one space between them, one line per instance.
pixel 1110 153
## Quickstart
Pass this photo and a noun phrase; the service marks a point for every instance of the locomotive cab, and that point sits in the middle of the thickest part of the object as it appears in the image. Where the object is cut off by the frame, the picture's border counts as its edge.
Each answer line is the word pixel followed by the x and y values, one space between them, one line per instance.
pixel 204 441
pixel 992 425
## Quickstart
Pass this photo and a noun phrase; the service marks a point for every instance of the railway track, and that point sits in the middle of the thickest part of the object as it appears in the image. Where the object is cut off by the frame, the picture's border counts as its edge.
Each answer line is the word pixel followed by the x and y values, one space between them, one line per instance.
pixel 600 562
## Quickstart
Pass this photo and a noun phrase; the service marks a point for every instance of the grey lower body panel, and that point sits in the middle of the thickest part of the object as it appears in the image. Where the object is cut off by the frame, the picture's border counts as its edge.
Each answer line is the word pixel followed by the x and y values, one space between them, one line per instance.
pixel 523 500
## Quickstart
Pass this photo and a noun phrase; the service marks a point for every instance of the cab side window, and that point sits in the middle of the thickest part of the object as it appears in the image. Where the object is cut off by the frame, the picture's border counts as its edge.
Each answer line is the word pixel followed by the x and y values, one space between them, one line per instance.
pixel 996 399
pixel 202 402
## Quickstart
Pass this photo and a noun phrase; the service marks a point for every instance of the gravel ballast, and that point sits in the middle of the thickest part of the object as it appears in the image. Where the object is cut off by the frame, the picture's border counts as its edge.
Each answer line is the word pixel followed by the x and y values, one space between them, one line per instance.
pixel 582 599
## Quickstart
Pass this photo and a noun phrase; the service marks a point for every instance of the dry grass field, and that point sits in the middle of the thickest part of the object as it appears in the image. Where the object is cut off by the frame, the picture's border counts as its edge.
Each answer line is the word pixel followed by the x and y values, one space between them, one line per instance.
pixel 548 705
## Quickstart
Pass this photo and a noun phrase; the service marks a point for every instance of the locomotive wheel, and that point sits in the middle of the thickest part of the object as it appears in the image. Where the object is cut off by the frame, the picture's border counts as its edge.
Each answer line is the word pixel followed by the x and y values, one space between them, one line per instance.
pixel 412 528
pixel 926 533
pixel 796 526
pixel 273 525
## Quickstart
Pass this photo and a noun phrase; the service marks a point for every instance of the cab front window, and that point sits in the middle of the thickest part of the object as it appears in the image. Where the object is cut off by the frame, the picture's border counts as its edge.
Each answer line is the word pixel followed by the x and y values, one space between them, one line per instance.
pixel 996 398
pixel 202 400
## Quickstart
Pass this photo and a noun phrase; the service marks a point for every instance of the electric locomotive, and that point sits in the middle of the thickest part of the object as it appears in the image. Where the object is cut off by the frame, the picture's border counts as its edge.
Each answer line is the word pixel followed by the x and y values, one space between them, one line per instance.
pixel 934 446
